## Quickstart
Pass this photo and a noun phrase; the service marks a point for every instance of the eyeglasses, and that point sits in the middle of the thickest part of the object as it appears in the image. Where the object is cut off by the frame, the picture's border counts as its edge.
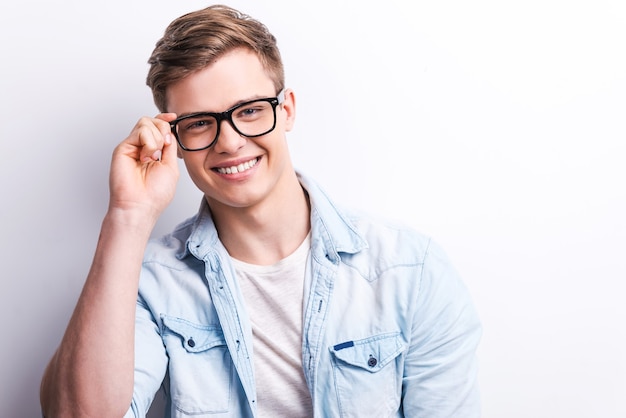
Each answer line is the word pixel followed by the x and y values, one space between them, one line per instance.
pixel 199 131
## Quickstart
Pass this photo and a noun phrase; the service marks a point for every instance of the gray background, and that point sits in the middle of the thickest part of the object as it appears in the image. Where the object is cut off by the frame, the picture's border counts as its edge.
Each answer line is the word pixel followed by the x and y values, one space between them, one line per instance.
pixel 496 127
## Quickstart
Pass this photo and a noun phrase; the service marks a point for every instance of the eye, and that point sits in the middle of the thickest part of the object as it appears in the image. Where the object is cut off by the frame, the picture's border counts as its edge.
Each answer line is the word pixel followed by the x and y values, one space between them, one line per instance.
pixel 198 124
pixel 252 110
pixel 247 111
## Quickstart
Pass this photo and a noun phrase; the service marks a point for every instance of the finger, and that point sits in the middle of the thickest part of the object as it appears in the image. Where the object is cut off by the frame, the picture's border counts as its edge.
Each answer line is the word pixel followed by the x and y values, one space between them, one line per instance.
pixel 153 135
pixel 150 142
pixel 167 117
pixel 169 153
pixel 170 147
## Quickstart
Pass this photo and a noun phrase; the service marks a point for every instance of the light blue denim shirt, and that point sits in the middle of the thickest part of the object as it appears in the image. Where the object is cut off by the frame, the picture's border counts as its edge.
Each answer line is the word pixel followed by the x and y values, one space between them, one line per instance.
pixel 389 328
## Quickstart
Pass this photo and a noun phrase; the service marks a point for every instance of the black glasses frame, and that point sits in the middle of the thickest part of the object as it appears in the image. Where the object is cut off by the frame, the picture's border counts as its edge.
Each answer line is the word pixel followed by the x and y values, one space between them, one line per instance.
pixel 227 116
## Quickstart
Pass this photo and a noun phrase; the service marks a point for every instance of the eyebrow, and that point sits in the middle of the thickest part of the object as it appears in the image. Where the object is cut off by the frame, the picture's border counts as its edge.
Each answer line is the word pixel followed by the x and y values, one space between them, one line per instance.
pixel 237 103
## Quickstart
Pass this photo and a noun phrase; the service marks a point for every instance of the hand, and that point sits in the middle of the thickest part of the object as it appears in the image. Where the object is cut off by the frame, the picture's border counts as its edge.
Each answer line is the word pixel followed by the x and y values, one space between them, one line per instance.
pixel 144 169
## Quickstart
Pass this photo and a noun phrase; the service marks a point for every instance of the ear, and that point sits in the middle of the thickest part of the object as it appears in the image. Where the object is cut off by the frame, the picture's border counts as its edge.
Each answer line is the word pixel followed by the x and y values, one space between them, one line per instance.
pixel 289 106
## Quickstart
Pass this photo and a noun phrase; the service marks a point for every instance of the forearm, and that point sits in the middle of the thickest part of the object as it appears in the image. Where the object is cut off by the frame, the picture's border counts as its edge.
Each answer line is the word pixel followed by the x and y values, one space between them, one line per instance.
pixel 91 374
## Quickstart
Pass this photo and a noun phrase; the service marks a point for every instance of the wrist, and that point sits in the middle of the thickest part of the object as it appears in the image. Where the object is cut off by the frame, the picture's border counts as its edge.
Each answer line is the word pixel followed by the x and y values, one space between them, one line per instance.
pixel 131 220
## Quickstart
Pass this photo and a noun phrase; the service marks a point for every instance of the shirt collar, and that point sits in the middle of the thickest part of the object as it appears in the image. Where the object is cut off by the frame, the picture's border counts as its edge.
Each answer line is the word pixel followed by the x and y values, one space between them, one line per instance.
pixel 331 227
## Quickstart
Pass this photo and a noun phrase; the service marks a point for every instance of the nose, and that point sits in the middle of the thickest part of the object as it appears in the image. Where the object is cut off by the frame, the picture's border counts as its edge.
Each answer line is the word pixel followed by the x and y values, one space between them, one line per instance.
pixel 229 140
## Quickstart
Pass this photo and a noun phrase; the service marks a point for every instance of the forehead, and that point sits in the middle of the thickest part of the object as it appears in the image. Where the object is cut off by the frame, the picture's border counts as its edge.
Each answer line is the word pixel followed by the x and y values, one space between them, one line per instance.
pixel 234 77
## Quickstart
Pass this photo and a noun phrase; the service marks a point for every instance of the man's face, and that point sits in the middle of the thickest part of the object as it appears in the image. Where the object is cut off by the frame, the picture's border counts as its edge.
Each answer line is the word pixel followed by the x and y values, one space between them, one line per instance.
pixel 263 162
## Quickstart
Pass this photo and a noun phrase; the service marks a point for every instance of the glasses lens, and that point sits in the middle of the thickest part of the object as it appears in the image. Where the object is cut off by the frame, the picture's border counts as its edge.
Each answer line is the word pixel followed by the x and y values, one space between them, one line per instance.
pixel 197 132
pixel 254 119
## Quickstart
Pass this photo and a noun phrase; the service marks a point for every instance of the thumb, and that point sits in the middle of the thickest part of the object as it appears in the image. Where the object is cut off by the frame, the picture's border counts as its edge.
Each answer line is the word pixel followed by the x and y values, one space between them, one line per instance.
pixel 170 146
pixel 169 154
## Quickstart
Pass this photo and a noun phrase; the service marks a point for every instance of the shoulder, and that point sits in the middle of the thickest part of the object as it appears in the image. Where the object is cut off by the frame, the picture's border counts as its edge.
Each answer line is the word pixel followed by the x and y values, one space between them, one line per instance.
pixel 174 242
pixel 171 251
pixel 391 237
pixel 393 244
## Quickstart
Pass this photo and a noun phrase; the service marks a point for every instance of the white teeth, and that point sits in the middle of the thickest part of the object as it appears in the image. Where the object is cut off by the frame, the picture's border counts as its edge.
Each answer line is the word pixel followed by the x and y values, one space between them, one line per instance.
pixel 238 168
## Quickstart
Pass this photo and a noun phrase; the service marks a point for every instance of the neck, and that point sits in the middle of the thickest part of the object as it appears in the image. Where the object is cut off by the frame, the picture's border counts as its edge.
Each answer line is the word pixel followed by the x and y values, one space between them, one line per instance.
pixel 267 232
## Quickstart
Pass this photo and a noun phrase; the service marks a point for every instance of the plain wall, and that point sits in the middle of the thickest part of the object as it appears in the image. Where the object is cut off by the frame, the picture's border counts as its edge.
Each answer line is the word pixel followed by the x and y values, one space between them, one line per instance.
pixel 497 127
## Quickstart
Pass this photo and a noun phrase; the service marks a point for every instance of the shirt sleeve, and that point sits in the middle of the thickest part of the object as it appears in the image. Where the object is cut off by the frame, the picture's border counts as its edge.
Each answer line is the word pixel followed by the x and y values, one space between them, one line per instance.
pixel 150 362
pixel 441 371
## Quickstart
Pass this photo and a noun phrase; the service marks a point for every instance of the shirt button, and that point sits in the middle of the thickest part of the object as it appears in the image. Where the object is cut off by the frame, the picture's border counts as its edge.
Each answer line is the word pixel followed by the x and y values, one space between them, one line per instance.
pixel 372 362
pixel 191 343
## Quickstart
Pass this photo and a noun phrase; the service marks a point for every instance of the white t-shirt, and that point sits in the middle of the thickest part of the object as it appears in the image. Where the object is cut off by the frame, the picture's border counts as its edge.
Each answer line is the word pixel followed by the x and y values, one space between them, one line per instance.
pixel 274 297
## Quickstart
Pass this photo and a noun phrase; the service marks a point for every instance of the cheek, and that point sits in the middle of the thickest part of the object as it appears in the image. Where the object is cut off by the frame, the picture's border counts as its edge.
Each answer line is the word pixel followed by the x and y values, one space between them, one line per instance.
pixel 198 174
pixel 194 161
pixel 273 143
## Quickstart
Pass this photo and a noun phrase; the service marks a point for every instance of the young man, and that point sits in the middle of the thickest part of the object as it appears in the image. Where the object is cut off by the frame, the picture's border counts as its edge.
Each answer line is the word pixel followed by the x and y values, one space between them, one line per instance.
pixel 270 301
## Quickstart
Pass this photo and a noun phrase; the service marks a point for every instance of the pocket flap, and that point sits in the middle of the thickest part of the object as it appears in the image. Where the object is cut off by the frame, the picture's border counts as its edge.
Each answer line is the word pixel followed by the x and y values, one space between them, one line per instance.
pixel 371 353
pixel 194 337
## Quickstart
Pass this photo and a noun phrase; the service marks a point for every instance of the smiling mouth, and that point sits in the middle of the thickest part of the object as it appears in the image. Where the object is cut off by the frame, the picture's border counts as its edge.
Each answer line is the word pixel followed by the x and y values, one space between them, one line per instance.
pixel 238 168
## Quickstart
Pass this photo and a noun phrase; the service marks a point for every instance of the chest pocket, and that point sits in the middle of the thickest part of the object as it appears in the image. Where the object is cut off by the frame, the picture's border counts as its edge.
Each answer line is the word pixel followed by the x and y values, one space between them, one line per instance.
pixel 368 375
pixel 200 367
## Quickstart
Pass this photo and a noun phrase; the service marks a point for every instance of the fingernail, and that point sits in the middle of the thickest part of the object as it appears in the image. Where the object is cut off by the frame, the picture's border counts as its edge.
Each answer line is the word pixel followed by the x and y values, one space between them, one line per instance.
pixel 168 139
pixel 157 155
